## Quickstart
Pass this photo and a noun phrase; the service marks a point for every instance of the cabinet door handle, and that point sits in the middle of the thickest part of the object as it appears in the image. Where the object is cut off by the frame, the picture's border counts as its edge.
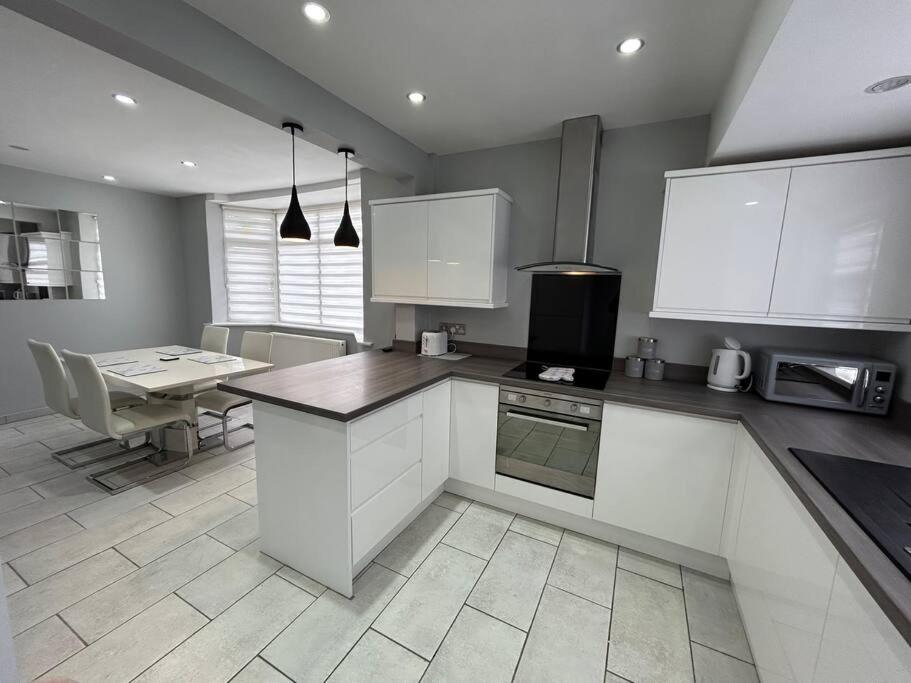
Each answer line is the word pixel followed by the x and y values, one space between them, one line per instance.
pixel 544 420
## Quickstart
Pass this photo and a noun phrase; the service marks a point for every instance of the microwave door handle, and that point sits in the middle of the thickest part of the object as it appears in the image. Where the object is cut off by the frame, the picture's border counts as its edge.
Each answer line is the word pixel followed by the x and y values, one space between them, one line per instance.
pixel 544 420
pixel 866 386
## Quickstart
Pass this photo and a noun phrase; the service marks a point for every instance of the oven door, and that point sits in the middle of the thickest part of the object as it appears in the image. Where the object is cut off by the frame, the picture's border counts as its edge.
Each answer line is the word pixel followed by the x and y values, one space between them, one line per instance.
pixel 827 384
pixel 548 449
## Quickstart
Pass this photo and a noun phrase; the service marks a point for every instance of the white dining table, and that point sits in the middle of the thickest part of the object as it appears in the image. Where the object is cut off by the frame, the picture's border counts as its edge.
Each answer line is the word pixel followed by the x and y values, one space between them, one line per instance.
pixel 178 382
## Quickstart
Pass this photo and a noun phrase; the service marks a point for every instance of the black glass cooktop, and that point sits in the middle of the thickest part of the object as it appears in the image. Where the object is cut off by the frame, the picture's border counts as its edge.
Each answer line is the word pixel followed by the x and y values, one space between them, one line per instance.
pixel 876 495
pixel 584 378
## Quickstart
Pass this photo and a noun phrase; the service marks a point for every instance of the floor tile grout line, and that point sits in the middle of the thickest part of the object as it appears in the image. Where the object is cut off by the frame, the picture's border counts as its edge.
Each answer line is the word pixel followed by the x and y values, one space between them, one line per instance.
pixel 114 629
pixel 686 619
pixel 650 578
pixel 495 617
pixel 207 622
pixel 60 616
pixel 127 576
pixel 610 621
pixel 417 569
pixel 13 570
pixel 391 640
pixel 581 597
pixel 114 548
pixel 722 652
pixel 515 669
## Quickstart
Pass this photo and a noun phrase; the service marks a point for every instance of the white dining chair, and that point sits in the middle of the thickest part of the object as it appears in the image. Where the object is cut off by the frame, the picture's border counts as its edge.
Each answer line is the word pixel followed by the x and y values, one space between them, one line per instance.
pixel 58 398
pixel 214 339
pixel 96 412
pixel 217 403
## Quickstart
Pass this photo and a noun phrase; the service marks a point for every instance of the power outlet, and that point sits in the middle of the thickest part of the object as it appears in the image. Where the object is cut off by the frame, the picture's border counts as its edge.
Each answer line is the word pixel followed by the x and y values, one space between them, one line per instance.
pixel 453 329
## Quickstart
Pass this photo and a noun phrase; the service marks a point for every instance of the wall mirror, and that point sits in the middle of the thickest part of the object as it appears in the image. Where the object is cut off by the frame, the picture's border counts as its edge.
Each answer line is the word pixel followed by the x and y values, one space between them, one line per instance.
pixel 49 254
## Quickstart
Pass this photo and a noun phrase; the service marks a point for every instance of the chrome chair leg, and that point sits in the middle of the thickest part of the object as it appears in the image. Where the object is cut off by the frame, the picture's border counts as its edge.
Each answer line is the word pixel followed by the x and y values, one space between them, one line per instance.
pixel 225 418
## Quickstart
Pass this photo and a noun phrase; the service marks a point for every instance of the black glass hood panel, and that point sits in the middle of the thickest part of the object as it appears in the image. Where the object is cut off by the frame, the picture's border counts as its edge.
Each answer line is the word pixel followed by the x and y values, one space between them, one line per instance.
pixel 573 320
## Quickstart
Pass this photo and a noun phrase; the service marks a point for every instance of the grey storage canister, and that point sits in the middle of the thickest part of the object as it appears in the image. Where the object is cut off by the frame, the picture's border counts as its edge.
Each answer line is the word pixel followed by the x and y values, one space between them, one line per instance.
pixel 635 366
pixel 654 369
pixel 647 347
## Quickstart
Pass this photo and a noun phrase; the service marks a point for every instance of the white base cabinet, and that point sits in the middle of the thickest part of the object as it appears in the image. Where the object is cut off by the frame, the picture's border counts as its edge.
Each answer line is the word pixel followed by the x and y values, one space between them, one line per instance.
pixel 664 474
pixel 442 250
pixel 435 464
pixel 473 432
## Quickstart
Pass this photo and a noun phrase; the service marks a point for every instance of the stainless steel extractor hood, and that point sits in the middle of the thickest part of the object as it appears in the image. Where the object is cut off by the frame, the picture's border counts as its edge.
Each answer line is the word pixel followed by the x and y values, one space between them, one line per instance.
pixel 577 187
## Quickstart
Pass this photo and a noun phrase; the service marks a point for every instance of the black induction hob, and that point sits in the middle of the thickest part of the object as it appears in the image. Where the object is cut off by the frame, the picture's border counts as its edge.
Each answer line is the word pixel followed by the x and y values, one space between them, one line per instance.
pixel 876 495
pixel 584 378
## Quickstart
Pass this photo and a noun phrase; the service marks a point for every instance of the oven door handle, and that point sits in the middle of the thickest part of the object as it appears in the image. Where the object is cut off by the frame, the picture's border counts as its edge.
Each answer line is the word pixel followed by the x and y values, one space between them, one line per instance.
pixel 544 420
pixel 866 387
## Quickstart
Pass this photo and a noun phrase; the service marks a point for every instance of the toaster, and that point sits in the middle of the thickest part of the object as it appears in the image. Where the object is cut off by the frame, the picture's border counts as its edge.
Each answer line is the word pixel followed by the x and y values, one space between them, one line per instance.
pixel 434 343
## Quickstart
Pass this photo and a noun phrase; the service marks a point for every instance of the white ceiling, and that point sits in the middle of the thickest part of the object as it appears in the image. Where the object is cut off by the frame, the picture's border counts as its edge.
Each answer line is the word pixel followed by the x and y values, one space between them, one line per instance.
pixel 808 93
pixel 505 71
pixel 56 94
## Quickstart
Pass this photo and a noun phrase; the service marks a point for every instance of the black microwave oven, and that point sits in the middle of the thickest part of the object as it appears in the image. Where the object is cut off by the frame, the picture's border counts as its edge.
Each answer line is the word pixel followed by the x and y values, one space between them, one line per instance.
pixel 839 381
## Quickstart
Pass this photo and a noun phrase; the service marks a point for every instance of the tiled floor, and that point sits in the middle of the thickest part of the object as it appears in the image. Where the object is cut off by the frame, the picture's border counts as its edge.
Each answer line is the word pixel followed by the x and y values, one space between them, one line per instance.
pixel 165 582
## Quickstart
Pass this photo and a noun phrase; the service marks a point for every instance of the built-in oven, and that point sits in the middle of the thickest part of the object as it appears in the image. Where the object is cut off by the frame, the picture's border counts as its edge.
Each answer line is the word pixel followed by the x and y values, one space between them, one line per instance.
pixel 549 439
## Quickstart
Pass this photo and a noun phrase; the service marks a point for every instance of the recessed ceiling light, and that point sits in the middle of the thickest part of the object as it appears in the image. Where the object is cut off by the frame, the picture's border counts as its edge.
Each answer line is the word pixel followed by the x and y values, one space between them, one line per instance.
pixel 630 46
pixel 754 203
pixel 888 84
pixel 109 178
pixel 3 202
pixel 20 148
pixel 124 99
pixel 188 164
pixel 416 97
pixel 315 12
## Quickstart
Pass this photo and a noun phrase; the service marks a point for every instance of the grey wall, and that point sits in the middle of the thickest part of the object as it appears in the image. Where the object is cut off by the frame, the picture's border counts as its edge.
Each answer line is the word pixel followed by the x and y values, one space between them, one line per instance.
pixel 143 276
pixel 193 230
pixel 628 227
pixel 528 173
pixel 379 319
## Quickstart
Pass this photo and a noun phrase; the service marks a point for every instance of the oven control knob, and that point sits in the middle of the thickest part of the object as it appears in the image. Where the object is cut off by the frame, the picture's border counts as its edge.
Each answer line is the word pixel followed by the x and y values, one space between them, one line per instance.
pixel 522 398
pixel 573 407
pixel 880 390
pixel 878 399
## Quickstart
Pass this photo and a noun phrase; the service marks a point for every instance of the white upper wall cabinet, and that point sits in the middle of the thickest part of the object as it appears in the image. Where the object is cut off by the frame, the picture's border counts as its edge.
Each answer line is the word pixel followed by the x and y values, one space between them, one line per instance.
pixel 445 249
pixel 720 242
pixel 400 250
pixel 814 242
pixel 846 243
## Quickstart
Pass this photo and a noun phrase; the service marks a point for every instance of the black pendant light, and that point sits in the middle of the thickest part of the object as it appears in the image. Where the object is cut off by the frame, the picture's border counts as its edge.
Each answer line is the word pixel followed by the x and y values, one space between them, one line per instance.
pixel 294 226
pixel 346 235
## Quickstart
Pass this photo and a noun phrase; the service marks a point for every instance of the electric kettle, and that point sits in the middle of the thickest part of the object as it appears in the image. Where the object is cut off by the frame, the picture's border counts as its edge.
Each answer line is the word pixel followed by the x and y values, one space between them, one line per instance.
pixel 725 373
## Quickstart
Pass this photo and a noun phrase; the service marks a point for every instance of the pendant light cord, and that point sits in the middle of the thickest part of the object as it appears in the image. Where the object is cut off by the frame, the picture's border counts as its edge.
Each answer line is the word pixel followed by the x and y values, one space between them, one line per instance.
pixel 293 163
pixel 346 177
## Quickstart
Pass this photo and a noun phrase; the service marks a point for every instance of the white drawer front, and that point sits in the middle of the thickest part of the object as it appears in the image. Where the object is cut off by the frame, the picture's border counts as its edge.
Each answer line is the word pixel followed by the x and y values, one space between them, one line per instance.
pixel 381 462
pixel 380 514
pixel 383 421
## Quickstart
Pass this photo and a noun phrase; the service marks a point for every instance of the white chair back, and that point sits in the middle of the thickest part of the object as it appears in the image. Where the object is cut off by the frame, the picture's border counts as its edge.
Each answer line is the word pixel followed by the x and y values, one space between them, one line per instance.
pixel 256 346
pixel 94 400
pixel 289 350
pixel 53 378
pixel 214 339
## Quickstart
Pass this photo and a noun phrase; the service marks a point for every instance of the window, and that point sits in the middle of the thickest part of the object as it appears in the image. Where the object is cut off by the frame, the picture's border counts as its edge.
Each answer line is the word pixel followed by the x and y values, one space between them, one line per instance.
pixel 311 284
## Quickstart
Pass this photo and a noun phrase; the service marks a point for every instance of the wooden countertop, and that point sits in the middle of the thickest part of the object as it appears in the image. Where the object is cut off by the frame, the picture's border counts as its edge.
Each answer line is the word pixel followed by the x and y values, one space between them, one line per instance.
pixel 351 386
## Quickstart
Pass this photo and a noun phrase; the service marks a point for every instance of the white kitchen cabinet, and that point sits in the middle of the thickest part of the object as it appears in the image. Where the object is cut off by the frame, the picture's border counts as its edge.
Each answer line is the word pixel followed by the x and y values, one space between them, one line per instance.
pixel 664 474
pixel 811 242
pixel 473 432
pixel 459 248
pixel 399 239
pixel 720 242
pixel 445 249
pixel 745 448
pixel 845 243
pixel 437 409
pixel 782 568
pixel 859 643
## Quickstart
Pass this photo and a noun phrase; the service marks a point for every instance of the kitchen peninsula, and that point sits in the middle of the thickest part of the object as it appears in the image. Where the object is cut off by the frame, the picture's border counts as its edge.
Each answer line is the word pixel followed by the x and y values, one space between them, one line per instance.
pixel 350 450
